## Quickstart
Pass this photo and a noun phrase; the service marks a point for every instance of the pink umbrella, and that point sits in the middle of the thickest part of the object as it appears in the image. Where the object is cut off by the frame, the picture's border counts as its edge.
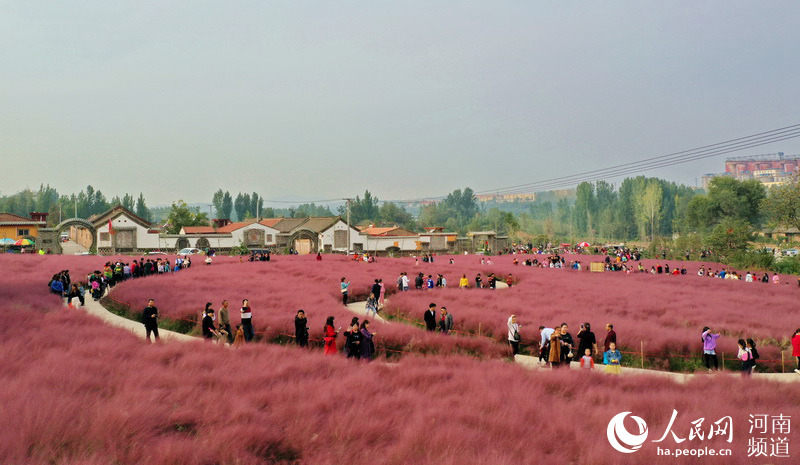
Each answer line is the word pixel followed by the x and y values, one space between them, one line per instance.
pixel 584 244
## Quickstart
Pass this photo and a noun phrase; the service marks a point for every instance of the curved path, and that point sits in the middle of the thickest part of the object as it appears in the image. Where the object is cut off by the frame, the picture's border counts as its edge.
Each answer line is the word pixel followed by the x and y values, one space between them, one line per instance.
pixel 360 307
pixel 532 363
pixel 94 308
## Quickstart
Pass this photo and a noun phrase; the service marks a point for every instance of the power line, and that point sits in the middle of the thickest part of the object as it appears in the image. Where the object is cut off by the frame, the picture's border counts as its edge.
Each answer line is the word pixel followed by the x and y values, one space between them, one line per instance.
pixel 671 159
pixel 683 156
pixel 560 183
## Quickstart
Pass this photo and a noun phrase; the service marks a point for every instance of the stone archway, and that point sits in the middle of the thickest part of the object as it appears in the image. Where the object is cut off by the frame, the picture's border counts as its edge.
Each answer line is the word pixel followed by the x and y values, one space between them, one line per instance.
pixel 182 243
pixel 305 241
pixel 202 243
pixel 50 238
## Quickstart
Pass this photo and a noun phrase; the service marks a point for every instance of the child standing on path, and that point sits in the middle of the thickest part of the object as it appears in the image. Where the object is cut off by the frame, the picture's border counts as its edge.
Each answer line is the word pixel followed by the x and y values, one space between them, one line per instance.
pixel 612 359
pixel 587 361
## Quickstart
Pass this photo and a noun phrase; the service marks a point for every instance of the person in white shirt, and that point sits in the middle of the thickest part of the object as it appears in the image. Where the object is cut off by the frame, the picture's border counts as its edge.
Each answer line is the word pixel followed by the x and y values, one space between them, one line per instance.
pixel 513 334
pixel 544 344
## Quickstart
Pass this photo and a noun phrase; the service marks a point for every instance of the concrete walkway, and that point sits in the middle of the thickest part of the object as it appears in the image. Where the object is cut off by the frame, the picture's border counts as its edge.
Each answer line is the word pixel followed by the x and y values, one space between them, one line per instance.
pixel 360 308
pixel 72 248
pixel 532 363
pixel 95 309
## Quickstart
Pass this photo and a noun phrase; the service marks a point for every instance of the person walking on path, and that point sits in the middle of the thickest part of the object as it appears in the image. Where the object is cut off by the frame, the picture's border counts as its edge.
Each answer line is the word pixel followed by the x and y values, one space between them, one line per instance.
pixel 353 339
pixel 513 334
pixel 751 346
pixel 301 328
pixel 367 346
pixel 611 337
pixel 247 320
pixel 209 330
pixel 554 354
pixel 371 306
pixel 329 336
pixel 587 362
pixel 150 319
pixel 445 321
pixel 612 358
pixel 430 317
pixel 344 287
pixel 746 357
pixel 796 349
pixel 544 344
pixel 376 289
pixel 568 344
pixel 710 348
pixel 586 340
pixel 225 320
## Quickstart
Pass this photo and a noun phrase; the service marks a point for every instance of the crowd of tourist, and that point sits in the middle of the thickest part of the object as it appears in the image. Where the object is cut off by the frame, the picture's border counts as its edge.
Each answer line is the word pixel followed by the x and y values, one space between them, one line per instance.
pixel 556 348
pixel 358 339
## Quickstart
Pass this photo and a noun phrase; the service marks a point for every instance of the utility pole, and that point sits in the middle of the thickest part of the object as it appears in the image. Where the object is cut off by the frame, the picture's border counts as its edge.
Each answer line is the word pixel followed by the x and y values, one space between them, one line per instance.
pixel 348 226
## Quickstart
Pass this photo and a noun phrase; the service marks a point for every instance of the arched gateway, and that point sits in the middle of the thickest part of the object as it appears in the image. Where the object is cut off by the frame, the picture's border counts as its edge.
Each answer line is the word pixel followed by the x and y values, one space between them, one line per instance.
pixel 50 238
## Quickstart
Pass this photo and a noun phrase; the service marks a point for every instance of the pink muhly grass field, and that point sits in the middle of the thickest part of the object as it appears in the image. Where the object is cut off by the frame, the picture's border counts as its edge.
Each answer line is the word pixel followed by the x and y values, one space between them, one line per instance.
pixel 73 390
pixel 277 289
pixel 665 312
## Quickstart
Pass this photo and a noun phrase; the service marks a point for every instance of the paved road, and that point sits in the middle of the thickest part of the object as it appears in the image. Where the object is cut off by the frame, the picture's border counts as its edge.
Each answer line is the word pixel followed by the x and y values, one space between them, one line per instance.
pixel 72 248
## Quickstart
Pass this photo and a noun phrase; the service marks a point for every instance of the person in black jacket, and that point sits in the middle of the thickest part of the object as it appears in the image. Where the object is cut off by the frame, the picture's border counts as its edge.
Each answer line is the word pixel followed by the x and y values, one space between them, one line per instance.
pixel 430 317
pixel 354 341
pixel 418 281
pixel 150 319
pixel 301 328
pixel 209 330
pixel 376 288
pixel 567 346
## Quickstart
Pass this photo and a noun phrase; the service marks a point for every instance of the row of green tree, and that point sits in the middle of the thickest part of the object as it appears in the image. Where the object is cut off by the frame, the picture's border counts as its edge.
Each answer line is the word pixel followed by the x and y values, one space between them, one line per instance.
pixel 88 202
pixel 245 206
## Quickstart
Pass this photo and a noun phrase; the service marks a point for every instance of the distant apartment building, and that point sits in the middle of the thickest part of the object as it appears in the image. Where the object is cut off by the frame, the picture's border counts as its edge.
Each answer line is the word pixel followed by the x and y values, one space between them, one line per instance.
pixel 506 197
pixel 770 169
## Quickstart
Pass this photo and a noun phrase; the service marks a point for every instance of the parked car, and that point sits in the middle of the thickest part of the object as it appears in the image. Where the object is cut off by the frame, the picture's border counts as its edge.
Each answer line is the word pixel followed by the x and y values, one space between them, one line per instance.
pixel 189 251
pixel 156 252
pixel 790 252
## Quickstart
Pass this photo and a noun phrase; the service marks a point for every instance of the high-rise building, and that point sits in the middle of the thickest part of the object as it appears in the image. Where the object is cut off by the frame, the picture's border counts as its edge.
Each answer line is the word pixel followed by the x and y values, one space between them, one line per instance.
pixel 769 169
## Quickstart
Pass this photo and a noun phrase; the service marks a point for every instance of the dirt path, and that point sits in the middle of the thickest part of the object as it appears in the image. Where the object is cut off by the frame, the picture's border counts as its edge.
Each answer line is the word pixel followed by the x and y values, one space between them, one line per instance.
pixel 532 363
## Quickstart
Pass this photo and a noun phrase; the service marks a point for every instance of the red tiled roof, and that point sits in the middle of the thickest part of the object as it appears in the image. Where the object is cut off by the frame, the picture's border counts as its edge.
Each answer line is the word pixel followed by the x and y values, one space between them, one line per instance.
pixel 270 222
pixel 19 220
pixel 393 231
pixel 198 230
pixel 13 217
pixel 229 228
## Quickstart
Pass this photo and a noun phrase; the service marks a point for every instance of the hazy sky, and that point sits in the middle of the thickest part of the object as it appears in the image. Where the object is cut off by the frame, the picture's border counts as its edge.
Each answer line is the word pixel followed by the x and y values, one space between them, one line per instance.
pixel 325 99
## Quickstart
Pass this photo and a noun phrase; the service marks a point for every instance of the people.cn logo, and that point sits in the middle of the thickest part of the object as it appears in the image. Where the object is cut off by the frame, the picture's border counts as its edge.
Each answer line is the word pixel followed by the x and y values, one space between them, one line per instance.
pixel 621 439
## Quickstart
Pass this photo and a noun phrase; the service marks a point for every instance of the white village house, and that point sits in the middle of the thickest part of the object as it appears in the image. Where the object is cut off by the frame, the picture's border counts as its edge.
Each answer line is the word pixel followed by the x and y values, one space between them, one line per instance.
pixel 131 234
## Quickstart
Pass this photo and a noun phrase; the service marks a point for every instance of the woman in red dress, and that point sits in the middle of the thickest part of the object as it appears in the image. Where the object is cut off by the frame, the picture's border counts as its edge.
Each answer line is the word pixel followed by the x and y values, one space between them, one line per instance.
pixel 329 336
